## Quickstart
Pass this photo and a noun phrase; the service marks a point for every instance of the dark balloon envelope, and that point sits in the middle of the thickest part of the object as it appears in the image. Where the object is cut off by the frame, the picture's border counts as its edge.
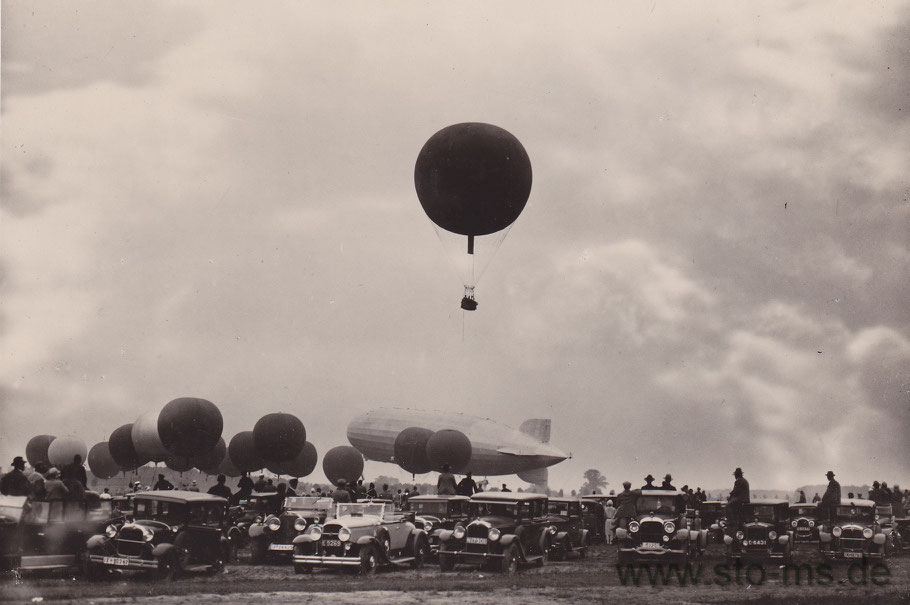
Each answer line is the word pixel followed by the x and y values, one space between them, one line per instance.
pixel 36 450
pixel 181 464
pixel 411 450
pixel 300 466
pixel 342 462
pixel 279 437
pixel 243 454
pixel 100 461
pixel 451 447
pixel 208 462
pixel 189 426
pixel 473 178
pixel 122 449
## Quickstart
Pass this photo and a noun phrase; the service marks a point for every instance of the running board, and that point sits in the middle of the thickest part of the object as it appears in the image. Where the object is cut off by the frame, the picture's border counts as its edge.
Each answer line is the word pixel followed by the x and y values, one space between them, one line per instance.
pixel 401 561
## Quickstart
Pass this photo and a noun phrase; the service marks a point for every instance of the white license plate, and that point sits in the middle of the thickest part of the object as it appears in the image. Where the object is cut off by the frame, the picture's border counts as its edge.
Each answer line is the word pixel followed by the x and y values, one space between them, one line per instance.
pixel 754 543
pixel 281 547
pixel 477 540
pixel 119 561
pixel 330 542
pixel 650 545
pixel 853 555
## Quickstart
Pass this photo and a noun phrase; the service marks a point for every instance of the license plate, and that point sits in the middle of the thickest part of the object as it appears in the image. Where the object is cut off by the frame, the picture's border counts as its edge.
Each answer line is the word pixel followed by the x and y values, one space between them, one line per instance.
pixel 330 542
pixel 477 540
pixel 119 561
pixel 281 547
pixel 853 555
pixel 650 545
pixel 754 542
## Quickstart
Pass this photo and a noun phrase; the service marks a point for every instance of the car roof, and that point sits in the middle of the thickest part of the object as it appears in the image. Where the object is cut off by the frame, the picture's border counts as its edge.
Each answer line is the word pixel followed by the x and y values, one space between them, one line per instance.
pixel 661 492
pixel 436 498
pixel 506 496
pixel 767 501
pixel 566 499
pixel 856 502
pixel 177 495
pixel 804 505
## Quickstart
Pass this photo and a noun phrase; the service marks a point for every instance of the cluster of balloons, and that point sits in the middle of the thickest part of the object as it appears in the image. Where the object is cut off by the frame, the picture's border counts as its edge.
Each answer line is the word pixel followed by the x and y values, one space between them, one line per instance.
pixel 278 443
pixel 419 450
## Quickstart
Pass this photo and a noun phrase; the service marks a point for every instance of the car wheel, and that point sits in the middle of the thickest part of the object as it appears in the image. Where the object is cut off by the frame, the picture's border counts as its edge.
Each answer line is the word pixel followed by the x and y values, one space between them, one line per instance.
pixel 169 567
pixel 302 569
pixel 562 550
pixel 544 557
pixel 583 551
pixel 421 551
pixel 258 550
pixel 446 561
pixel 510 560
pixel 369 560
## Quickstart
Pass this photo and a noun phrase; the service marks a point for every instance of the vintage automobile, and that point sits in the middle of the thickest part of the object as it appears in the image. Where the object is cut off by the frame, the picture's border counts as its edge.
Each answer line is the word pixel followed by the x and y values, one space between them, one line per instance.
pixel 572 536
pixel 761 532
pixel 506 529
pixel 595 517
pixel 902 533
pixel 172 532
pixel 433 514
pixel 272 537
pixel 804 522
pixel 855 531
pixel 48 535
pixel 364 536
pixel 660 530
pixel 251 508
pixel 712 514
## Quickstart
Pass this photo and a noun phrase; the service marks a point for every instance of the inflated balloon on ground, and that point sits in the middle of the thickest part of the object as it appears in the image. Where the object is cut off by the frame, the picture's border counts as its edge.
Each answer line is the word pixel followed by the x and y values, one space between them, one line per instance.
pixel 100 461
pixel 279 436
pixel 243 454
pixel 36 450
pixel 451 447
pixel 189 426
pixel 122 450
pixel 344 462
pixel 62 450
pixel 411 450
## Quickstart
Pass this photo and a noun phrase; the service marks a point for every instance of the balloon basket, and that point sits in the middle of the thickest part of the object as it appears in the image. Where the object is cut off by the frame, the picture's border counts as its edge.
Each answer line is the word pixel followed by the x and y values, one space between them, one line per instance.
pixel 468 304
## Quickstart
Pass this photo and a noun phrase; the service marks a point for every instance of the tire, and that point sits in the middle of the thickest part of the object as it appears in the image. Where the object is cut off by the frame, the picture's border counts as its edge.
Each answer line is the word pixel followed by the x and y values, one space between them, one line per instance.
pixel 169 567
pixel 446 561
pixel 369 560
pixel 258 551
pixel 300 568
pixel 421 552
pixel 544 557
pixel 510 560
pixel 562 550
pixel 583 551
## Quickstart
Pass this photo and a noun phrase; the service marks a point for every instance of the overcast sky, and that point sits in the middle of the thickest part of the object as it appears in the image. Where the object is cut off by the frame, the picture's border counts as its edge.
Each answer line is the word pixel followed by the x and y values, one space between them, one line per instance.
pixel 217 200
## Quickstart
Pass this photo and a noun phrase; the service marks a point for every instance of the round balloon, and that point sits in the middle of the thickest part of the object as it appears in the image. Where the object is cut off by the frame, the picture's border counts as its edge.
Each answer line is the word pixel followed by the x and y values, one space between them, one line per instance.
pixel 473 178
pixel 189 426
pixel 122 450
pixel 101 463
pixel 243 454
pixel 181 464
pixel 227 468
pixel 300 466
pixel 36 450
pixel 210 460
pixel 146 440
pixel 344 462
pixel 451 447
pixel 62 450
pixel 279 436
pixel 411 450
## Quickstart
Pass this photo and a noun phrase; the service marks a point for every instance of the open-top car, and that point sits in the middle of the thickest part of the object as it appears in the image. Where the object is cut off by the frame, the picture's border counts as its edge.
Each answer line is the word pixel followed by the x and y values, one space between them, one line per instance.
pixel 171 533
pixel 364 536
pixel 433 514
pixel 761 532
pixel 42 535
pixel 506 529
pixel 660 530
pixel 572 535
pixel 804 522
pixel 853 530
pixel 273 536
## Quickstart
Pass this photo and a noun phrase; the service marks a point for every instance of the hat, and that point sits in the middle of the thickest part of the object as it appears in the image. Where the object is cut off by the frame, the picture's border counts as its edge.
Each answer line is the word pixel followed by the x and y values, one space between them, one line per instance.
pixel 668 477
pixel 341 481
pixel 829 474
pixel 649 477
pixel 609 503
pixel 875 484
pixel 52 472
pixel 738 471
pixel 18 460
pixel 627 484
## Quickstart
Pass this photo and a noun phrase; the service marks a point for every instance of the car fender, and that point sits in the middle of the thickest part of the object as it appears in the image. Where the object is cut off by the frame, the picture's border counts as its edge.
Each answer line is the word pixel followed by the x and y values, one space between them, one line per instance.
pixel 782 540
pixel 414 536
pixel 824 536
pixel 879 539
pixel 508 539
pixel 162 549
pixel 621 533
pixel 560 536
pixel 544 542
pixel 96 542
pixel 256 530
pixel 445 535
pixel 584 536
pixel 684 534
pixel 366 540
pixel 728 540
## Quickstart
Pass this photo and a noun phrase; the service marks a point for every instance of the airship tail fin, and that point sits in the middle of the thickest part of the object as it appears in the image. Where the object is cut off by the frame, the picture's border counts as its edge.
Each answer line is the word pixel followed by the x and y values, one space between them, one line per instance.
pixel 538 428
pixel 537 476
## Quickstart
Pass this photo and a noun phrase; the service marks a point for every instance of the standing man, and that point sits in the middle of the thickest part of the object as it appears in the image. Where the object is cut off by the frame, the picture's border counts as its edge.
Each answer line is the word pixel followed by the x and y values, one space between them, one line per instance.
pixel 15 483
pixel 625 505
pixel 341 493
pixel 220 489
pixel 162 483
pixel 649 482
pixel 667 483
pixel 467 486
pixel 609 517
pixel 738 497
pixel 831 498
pixel 75 472
pixel 446 482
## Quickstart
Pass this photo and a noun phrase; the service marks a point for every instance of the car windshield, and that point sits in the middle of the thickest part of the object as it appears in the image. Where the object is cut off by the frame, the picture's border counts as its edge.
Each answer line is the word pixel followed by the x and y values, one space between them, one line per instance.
pixel 159 510
pixel 258 504
pixel 803 512
pixel 558 508
pixel 854 512
pixel 307 503
pixel 763 512
pixel 665 505
pixel 429 507
pixel 499 509
pixel 359 509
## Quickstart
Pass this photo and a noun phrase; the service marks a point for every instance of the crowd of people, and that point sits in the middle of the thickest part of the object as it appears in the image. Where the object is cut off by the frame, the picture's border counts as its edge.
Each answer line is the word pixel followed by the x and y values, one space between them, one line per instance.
pixel 46 483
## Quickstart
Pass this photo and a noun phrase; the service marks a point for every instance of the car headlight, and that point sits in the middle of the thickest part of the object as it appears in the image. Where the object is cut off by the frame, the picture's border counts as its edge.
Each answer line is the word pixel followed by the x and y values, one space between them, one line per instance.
pixel 273 524
pixel 110 531
pixel 344 534
pixel 258 518
pixel 772 535
pixel 315 530
pixel 459 532
pixel 811 523
pixel 740 535
pixel 493 534
pixel 867 533
pixel 553 529
pixel 633 526
pixel 428 526
pixel 669 527
pixel 299 524
pixel 147 534
pixel 793 523
pixel 837 531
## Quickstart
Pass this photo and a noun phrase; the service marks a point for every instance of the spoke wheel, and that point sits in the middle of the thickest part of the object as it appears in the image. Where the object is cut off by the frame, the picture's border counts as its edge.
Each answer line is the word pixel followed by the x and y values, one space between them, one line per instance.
pixel 369 560
pixel 510 560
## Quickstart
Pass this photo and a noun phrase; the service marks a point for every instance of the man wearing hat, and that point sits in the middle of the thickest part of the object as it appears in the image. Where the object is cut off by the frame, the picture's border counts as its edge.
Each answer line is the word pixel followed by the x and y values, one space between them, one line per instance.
pixel 341 493
pixel 15 483
pixel 831 497
pixel 737 497
pixel 666 483
pixel 649 482
pixel 625 504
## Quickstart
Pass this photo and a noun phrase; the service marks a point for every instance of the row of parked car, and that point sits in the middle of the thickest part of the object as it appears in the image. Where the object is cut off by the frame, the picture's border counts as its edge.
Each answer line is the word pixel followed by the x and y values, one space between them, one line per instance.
pixel 172 533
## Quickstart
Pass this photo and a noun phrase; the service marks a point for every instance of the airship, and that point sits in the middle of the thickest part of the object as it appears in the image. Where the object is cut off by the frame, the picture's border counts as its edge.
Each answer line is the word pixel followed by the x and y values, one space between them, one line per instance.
pixel 496 449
